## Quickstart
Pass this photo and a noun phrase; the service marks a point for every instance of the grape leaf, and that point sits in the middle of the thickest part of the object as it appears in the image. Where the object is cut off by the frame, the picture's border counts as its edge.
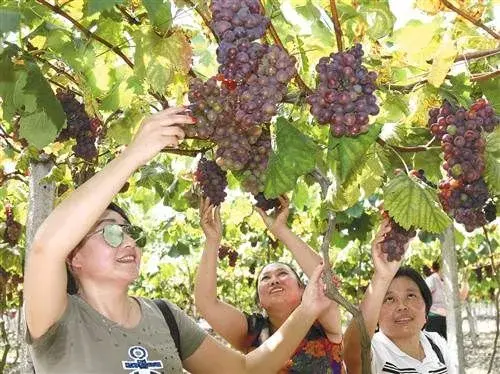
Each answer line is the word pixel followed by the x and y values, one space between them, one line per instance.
pixel 414 204
pixel 379 18
pixel 94 6
pixel 157 59
pixel 492 174
pixel 295 155
pixel 10 19
pixel 345 153
pixel 431 7
pixel 442 62
pixel 160 13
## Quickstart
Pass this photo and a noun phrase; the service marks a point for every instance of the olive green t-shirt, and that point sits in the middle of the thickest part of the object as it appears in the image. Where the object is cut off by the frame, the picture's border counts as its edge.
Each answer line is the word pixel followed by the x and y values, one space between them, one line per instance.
pixel 83 341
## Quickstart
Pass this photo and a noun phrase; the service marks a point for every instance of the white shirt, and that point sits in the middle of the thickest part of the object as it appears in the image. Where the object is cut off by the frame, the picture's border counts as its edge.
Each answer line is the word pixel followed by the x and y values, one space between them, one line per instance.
pixel 388 358
pixel 438 299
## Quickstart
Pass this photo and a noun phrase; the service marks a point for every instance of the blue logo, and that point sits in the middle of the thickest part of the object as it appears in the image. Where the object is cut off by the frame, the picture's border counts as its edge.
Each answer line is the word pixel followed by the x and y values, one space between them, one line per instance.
pixel 139 363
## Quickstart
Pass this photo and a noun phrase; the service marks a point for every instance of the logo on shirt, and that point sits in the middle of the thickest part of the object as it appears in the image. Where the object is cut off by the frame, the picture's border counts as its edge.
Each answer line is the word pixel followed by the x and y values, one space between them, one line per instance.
pixel 139 363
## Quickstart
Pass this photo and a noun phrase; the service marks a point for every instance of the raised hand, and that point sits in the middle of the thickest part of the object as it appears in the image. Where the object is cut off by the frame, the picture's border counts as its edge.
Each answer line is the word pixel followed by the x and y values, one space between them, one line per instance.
pixel 278 221
pixel 160 130
pixel 211 222
pixel 383 267
pixel 314 298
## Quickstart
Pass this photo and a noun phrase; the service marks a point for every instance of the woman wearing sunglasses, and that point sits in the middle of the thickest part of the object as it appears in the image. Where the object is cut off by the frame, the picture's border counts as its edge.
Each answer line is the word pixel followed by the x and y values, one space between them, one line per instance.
pixel 100 328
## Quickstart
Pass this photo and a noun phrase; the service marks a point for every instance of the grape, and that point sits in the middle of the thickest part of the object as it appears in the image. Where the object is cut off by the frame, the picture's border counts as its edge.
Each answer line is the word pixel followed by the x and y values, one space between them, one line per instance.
pixel 464 201
pixel 484 114
pixel 233 256
pixel 266 204
pixel 265 88
pixel 239 61
pixel 479 273
pixel 233 20
pixel 395 240
pixel 420 174
pixel 223 251
pixel 344 97
pixel 212 180
pixel 490 211
pixel 254 174
pixel 79 126
pixel 13 229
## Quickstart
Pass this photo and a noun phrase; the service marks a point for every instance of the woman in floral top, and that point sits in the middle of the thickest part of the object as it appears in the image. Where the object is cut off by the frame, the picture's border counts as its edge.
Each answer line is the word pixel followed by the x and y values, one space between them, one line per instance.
pixel 279 292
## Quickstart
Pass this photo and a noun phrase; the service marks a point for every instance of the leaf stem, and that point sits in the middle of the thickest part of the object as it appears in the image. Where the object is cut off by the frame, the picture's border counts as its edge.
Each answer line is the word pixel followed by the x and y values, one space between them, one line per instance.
pixel 412 149
pixel 471 19
pixel 336 25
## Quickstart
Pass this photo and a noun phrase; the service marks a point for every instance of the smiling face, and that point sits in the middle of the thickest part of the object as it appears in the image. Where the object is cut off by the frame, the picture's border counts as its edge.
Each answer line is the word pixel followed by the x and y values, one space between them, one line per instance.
pixel 277 285
pixel 97 260
pixel 403 311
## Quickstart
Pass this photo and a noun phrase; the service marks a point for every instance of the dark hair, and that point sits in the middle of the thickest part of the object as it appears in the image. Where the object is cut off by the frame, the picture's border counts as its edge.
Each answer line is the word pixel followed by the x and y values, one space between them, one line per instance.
pixel 436 265
pixel 72 284
pixel 299 280
pixel 426 270
pixel 406 271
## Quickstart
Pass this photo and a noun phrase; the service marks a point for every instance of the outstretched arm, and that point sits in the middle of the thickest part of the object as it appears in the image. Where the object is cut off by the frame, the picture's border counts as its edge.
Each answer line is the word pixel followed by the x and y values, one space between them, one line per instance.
pixel 45 278
pixel 225 319
pixel 372 301
pixel 213 357
pixel 307 259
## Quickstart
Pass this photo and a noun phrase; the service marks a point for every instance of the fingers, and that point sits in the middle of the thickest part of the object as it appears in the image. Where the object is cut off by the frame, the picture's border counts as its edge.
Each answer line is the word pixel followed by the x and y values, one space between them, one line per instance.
pixel 316 274
pixel 261 212
pixel 217 214
pixel 170 111
pixel 173 131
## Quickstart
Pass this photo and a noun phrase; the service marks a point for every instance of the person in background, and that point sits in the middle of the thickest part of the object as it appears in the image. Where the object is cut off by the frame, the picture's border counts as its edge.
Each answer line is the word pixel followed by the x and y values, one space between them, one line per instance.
pixel 397 302
pixel 279 292
pixel 98 327
pixel 436 320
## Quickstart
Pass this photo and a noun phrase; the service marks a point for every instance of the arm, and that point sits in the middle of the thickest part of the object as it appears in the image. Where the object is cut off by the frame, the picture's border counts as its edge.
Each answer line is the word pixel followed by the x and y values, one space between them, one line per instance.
pixel 213 357
pixel 225 319
pixel 372 301
pixel 307 259
pixel 62 231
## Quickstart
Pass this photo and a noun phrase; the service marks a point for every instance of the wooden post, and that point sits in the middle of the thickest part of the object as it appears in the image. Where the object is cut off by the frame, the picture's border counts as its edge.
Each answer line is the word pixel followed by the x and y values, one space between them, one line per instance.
pixel 453 308
pixel 40 204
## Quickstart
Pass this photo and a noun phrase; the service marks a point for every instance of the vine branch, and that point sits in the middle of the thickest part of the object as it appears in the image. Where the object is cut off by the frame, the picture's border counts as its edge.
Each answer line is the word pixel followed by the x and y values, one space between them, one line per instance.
pixel 86 31
pixel 336 25
pixel 413 149
pixel 485 76
pixel 477 54
pixel 130 18
pixel 186 152
pixel 5 136
pixel 471 19
pixel 331 290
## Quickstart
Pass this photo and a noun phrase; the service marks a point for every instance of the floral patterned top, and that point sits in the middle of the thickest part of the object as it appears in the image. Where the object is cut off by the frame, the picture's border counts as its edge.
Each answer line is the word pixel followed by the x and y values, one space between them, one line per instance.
pixel 315 354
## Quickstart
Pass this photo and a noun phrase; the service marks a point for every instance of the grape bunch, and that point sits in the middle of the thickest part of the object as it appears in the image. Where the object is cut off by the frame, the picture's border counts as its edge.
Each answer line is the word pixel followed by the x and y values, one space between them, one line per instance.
pixel 212 180
pixel 210 104
pixel 238 61
pixel 254 174
pixel 395 240
pixel 264 89
pixel 464 195
pixel 266 204
pixel 464 201
pixel 13 229
pixel 225 251
pixel 344 97
pixel 420 174
pixel 79 126
pixel 234 20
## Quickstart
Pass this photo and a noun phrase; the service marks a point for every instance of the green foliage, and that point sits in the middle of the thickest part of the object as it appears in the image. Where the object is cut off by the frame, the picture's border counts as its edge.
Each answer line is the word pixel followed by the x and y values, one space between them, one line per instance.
pixel 412 203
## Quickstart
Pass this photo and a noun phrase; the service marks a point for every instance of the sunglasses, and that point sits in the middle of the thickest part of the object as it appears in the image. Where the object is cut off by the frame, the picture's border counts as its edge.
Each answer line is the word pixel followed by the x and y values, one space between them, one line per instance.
pixel 114 234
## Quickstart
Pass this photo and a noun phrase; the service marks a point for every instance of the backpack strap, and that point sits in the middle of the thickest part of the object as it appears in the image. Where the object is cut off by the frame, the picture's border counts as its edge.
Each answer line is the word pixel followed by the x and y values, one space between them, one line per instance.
pixel 171 322
pixel 436 349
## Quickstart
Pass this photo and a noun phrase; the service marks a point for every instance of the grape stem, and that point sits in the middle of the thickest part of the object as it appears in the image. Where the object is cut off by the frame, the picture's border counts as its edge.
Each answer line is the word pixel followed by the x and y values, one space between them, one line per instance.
pixel 331 290
pixel 130 18
pixel 203 16
pixel 336 25
pixel 471 19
